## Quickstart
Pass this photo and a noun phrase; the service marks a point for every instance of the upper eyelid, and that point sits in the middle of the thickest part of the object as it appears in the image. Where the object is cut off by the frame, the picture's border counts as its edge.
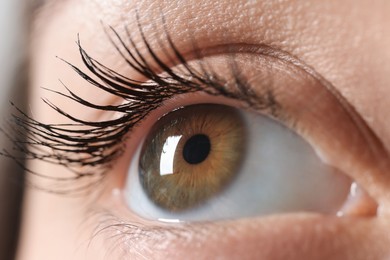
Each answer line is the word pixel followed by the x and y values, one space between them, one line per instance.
pixel 375 147
pixel 198 52
pixel 69 138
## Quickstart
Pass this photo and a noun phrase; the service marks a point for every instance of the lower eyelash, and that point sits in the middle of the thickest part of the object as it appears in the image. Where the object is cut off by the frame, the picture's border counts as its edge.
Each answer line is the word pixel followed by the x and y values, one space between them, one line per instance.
pixel 88 148
pixel 124 239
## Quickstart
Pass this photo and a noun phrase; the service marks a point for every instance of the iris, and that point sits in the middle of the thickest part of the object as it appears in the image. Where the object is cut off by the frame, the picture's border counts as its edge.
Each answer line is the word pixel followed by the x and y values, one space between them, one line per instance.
pixel 191 155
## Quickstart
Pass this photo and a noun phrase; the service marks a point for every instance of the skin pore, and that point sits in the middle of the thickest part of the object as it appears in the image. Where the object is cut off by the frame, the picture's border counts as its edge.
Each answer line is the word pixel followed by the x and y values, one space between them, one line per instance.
pixel 347 43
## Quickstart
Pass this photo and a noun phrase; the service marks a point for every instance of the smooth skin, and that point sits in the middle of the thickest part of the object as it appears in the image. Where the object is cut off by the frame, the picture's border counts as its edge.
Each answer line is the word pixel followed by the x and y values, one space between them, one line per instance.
pixel 347 42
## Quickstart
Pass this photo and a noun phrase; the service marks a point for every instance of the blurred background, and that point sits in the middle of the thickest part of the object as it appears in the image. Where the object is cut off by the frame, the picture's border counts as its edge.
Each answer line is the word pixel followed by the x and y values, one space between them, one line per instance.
pixel 14 19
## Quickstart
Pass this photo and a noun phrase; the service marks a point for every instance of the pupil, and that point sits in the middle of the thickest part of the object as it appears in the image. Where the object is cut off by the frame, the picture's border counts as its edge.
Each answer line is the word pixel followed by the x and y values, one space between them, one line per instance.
pixel 196 149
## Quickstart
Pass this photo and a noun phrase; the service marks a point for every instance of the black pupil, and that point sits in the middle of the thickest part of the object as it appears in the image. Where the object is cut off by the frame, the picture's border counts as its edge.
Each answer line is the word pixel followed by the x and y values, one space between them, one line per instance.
pixel 196 149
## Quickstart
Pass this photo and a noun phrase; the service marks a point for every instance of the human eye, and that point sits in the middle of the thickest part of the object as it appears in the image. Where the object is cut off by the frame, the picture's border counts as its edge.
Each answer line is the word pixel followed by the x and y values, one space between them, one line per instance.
pixel 241 142
pixel 184 140
pixel 209 161
pixel 264 166
pixel 254 137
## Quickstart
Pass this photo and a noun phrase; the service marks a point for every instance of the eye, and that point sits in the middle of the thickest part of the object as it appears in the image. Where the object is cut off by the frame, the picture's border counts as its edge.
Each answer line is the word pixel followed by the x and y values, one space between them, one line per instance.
pixel 208 161
pixel 262 166
pixel 191 155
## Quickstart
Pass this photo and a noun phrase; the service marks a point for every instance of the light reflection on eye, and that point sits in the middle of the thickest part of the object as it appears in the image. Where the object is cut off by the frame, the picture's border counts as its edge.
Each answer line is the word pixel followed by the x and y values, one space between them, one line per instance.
pixel 168 154
pixel 251 166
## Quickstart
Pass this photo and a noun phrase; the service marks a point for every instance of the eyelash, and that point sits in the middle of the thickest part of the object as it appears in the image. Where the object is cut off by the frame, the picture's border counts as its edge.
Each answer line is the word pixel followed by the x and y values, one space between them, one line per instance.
pixel 96 145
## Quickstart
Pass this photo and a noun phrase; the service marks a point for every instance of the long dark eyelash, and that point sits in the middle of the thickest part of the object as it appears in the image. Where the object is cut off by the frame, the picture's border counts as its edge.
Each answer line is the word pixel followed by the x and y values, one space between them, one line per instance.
pixel 88 148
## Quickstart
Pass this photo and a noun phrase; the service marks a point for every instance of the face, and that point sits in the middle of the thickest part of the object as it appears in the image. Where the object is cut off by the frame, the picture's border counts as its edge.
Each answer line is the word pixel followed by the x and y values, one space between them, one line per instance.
pixel 203 130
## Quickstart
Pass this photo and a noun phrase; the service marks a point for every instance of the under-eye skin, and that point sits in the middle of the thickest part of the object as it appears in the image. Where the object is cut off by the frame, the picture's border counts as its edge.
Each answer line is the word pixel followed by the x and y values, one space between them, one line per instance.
pixel 252 81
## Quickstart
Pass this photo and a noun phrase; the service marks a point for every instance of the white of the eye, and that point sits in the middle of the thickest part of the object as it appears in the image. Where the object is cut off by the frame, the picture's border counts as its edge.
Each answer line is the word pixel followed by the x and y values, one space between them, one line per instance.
pixel 281 173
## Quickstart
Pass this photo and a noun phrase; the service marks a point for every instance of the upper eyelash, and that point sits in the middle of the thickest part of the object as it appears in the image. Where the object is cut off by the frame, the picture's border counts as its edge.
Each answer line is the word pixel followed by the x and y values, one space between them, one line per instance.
pixel 95 145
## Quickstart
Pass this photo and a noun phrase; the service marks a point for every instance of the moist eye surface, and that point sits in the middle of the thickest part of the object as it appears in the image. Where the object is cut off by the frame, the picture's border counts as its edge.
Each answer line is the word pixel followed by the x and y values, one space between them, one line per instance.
pixel 191 155
pixel 210 162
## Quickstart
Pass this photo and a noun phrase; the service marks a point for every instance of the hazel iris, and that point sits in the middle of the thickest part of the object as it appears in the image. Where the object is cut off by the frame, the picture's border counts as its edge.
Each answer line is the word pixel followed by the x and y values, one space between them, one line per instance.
pixel 191 155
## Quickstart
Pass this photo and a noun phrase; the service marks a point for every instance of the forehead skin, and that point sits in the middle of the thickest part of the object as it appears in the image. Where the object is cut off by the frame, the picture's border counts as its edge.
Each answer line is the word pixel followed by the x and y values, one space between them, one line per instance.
pixel 347 42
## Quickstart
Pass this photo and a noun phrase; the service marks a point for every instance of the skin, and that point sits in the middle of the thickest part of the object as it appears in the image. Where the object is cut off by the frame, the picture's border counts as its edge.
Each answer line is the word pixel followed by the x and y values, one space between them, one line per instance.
pixel 346 42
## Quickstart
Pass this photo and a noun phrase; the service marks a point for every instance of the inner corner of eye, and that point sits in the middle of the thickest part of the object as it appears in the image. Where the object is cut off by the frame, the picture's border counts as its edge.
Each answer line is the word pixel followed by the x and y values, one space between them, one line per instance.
pixel 209 161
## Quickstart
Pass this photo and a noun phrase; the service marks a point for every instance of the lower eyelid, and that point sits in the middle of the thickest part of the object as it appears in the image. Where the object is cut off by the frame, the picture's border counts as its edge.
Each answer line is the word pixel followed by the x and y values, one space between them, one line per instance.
pixel 261 237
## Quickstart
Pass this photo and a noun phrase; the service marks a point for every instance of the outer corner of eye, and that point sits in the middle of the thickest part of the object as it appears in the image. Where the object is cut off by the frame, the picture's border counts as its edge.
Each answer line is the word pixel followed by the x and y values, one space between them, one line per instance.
pixel 211 162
